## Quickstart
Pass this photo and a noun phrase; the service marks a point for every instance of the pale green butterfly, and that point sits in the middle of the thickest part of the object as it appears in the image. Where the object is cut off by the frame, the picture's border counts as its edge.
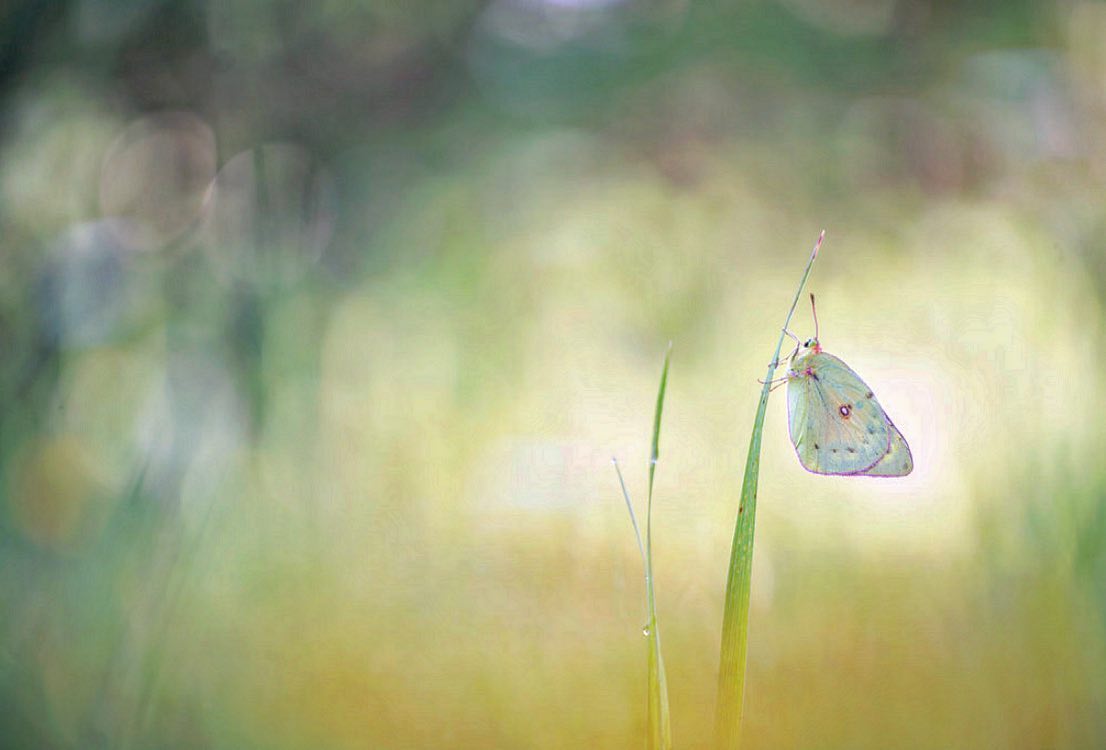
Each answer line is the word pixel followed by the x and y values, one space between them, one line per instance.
pixel 836 424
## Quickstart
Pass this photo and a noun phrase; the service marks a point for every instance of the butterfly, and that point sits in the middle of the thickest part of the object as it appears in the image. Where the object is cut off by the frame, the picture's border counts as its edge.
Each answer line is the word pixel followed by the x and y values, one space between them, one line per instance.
pixel 837 426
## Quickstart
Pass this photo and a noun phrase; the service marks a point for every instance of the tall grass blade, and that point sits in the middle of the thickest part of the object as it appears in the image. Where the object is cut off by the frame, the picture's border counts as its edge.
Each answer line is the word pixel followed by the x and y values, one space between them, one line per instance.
pixel 735 620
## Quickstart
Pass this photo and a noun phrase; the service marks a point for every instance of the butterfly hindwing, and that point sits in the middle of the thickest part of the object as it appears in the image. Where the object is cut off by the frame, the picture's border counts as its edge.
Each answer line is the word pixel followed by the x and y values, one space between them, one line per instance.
pixel 897 462
pixel 837 426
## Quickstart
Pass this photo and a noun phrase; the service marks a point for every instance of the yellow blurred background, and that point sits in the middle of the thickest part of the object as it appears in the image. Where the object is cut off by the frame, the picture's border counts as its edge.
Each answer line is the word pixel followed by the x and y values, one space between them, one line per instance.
pixel 320 323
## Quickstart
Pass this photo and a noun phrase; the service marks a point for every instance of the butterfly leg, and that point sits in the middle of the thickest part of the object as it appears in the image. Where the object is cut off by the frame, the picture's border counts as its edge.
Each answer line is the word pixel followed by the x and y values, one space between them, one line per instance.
pixel 776 382
pixel 793 351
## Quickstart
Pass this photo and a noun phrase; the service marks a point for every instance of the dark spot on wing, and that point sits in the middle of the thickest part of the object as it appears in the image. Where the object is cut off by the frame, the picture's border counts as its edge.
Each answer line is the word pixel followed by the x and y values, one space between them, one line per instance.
pixel 816 446
pixel 871 430
pixel 834 450
pixel 869 394
pixel 851 450
pixel 846 410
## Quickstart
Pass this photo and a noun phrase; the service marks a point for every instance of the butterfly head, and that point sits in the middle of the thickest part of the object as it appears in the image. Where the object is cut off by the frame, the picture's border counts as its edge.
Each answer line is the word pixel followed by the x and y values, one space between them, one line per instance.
pixel 805 349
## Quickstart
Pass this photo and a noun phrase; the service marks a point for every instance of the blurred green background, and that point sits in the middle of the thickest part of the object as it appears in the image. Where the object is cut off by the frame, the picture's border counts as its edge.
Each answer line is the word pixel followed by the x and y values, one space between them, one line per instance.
pixel 320 322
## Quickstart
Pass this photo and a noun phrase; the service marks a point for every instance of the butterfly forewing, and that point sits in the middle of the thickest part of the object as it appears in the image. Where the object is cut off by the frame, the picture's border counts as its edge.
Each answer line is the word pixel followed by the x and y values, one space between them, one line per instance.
pixel 836 424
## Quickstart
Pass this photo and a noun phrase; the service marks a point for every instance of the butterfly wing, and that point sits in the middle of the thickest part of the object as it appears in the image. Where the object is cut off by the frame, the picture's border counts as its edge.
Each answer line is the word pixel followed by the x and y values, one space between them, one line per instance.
pixel 898 462
pixel 836 424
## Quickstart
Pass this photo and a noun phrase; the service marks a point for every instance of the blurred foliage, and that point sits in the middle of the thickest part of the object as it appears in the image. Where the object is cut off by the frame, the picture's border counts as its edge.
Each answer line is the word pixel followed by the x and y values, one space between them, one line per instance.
pixel 319 323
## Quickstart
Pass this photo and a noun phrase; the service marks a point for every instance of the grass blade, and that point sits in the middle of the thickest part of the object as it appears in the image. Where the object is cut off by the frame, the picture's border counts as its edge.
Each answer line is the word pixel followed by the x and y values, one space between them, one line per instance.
pixel 735 621
pixel 660 727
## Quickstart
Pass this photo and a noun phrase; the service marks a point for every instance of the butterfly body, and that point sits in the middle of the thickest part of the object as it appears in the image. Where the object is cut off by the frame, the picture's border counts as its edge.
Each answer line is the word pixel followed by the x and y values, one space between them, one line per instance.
pixel 837 426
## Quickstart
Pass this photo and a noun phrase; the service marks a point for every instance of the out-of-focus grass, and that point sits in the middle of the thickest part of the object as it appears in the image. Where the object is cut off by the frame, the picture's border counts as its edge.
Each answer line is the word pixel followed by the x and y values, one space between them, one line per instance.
pixel 367 502
pixel 426 561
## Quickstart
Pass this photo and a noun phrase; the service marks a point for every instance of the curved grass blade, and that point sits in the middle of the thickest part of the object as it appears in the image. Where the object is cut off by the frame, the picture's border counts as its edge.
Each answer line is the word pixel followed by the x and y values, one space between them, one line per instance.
pixel 660 725
pixel 735 620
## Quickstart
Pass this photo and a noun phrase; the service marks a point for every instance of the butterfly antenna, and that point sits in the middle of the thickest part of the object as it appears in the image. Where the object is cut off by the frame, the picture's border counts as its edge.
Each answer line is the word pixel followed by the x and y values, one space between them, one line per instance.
pixel 814 312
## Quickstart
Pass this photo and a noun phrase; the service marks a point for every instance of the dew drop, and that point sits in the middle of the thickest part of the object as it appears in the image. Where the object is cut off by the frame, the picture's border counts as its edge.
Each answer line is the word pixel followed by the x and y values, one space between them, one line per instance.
pixel 645 629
